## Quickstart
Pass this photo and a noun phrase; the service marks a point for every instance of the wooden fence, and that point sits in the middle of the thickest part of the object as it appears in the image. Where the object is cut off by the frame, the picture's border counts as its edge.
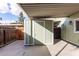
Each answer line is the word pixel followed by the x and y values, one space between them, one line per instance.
pixel 10 33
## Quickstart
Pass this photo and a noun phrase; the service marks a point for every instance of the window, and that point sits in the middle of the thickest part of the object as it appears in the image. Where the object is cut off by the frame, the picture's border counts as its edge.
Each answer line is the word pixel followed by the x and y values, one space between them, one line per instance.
pixel 76 26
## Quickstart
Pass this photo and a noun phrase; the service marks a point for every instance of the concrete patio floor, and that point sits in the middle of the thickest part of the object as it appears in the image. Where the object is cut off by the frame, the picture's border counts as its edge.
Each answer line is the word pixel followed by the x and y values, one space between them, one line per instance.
pixel 70 50
pixel 60 48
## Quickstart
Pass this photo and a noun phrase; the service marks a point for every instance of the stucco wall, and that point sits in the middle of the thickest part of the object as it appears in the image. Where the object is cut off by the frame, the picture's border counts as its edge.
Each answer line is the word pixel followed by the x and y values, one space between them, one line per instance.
pixel 68 30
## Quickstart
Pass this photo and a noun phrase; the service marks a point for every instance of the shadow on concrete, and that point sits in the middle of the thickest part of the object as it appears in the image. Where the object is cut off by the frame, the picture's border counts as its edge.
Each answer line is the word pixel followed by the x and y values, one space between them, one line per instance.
pixel 56 41
pixel 38 49
pixel 61 50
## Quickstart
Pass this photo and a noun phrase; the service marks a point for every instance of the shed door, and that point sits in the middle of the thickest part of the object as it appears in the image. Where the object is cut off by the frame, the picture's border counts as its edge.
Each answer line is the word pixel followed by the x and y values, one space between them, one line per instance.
pixel 39 32
pixel 57 33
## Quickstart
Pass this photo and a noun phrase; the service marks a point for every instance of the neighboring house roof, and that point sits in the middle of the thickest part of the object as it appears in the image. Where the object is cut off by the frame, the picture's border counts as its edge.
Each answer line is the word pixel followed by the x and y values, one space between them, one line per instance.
pixel 10 24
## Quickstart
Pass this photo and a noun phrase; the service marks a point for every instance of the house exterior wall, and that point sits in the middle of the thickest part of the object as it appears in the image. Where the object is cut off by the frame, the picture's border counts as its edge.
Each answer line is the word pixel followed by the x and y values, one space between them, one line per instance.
pixel 67 30
pixel 27 31
pixel 49 37
pixel 28 37
pixel 43 31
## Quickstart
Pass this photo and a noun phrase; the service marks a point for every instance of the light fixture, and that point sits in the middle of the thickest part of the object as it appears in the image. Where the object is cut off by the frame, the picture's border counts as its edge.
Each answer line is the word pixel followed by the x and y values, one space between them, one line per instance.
pixel 70 22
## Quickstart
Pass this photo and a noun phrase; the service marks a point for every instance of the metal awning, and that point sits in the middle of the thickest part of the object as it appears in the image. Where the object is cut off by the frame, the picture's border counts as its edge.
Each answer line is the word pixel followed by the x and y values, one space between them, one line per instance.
pixel 50 10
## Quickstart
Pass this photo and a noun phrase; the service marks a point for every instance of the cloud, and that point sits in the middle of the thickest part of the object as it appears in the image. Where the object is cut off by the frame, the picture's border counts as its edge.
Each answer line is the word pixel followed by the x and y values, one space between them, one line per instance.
pixel 15 9
pixel 6 21
pixel 4 8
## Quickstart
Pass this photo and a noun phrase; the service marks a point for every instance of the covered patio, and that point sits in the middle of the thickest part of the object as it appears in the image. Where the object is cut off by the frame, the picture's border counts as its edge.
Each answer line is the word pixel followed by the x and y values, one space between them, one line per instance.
pixel 39 25
pixel 39 31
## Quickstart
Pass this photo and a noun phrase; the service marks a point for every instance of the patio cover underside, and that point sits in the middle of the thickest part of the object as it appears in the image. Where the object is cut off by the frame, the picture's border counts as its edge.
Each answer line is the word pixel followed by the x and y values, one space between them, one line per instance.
pixel 50 10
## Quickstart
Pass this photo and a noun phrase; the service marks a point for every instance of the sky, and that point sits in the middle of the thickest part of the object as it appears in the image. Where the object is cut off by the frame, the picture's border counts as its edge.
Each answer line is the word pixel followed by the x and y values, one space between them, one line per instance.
pixel 9 12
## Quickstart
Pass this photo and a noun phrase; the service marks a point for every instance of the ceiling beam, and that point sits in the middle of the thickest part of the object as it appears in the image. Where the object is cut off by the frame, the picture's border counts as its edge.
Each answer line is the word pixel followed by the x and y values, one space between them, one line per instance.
pixel 73 13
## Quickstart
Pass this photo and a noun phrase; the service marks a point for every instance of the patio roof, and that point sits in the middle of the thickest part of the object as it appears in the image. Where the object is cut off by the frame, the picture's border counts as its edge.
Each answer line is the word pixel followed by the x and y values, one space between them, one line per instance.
pixel 50 10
